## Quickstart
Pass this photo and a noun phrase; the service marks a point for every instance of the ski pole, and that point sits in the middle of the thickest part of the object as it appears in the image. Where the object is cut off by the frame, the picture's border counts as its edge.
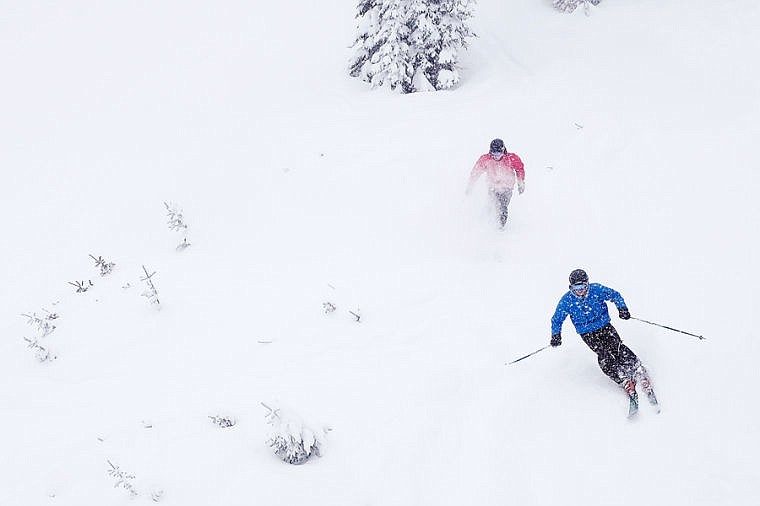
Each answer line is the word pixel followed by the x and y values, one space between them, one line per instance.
pixel 669 328
pixel 528 355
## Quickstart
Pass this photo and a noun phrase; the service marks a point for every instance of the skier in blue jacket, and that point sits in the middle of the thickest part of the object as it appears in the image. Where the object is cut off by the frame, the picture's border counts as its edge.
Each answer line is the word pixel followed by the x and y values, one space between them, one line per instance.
pixel 586 304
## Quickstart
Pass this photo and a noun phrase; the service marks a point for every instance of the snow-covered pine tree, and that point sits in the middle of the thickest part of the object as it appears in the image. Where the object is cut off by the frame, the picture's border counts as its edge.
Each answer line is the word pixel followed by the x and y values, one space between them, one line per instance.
pixel 381 47
pixel 391 62
pixel 439 33
pixel 365 45
pixel 412 45
pixel 426 40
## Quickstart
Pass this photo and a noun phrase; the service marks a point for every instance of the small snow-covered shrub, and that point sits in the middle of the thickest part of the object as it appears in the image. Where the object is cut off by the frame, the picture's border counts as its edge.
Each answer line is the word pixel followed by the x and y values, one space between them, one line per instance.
pixel 123 479
pixel 291 439
pixel 105 267
pixel 41 353
pixel 45 327
pixel 44 323
pixel 331 306
pixel 151 292
pixel 222 421
pixel 81 286
pixel 176 222
pixel 571 5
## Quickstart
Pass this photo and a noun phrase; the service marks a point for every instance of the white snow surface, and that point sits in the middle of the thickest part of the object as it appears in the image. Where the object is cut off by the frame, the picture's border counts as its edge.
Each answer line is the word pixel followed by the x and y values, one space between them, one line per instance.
pixel 638 126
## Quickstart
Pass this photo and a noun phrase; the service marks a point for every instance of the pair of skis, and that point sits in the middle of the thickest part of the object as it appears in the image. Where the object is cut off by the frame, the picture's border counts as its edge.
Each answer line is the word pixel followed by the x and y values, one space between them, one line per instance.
pixel 633 403
pixel 633 397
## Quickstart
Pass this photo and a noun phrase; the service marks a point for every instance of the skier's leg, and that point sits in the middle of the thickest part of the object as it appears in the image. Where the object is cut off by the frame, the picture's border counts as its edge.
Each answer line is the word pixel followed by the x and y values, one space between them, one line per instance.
pixel 609 365
pixel 631 366
pixel 496 201
pixel 628 363
pixel 594 340
pixel 597 341
pixel 632 371
pixel 614 357
pixel 642 376
pixel 617 361
pixel 503 197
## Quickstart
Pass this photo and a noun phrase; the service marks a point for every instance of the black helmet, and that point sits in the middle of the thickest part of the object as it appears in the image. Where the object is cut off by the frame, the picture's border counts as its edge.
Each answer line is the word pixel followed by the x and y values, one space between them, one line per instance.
pixel 578 276
pixel 497 146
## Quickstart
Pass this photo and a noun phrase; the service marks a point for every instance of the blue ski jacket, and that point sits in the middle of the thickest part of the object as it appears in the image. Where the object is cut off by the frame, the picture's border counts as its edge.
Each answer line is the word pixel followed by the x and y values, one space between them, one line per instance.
pixel 588 313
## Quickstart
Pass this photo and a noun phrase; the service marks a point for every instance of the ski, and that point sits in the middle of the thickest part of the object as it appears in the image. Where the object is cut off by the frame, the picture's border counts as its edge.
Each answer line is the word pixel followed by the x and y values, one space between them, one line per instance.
pixel 653 400
pixel 633 405
pixel 633 402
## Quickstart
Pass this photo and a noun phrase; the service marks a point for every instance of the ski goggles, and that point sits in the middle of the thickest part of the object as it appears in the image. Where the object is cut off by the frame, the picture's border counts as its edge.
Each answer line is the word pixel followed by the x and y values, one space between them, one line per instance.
pixel 579 287
pixel 497 154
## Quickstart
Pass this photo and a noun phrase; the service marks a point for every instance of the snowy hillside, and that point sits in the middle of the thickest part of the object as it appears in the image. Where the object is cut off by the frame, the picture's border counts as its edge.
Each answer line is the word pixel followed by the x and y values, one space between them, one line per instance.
pixel 300 185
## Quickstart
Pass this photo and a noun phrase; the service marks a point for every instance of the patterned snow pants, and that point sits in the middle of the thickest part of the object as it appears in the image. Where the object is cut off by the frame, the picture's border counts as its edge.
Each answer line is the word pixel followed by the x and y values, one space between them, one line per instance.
pixel 615 359
pixel 501 199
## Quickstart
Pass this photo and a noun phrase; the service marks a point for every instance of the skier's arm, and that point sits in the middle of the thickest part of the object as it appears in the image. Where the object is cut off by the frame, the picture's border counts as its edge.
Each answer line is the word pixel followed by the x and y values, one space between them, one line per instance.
pixel 519 169
pixel 559 317
pixel 475 173
pixel 517 164
pixel 617 299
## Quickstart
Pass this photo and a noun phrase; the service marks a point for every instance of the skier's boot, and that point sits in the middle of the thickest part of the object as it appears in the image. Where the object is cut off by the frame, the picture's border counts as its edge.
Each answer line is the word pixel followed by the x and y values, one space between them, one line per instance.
pixel 633 398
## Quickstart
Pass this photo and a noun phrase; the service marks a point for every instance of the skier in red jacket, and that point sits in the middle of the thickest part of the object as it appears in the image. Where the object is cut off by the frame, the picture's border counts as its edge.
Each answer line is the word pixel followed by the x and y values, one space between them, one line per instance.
pixel 503 170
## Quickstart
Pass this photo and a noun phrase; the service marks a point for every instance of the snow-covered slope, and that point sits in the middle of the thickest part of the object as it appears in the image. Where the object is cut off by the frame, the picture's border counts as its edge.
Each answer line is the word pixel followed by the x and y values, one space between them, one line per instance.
pixel 299 185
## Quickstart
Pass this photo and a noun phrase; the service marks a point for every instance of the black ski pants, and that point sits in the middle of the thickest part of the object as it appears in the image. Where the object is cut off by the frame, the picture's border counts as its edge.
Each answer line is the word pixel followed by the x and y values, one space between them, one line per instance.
pixel 615 359
pixel 501 199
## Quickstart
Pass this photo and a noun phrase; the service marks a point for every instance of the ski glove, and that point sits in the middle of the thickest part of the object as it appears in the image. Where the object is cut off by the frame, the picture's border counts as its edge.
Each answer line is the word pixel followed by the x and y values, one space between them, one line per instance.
pixel 520 187
pixel 624 314
pixel 556 339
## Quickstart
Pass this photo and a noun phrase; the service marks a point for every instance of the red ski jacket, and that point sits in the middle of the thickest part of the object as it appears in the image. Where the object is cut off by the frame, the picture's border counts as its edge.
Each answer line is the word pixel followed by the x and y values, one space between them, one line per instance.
pixel 501 174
